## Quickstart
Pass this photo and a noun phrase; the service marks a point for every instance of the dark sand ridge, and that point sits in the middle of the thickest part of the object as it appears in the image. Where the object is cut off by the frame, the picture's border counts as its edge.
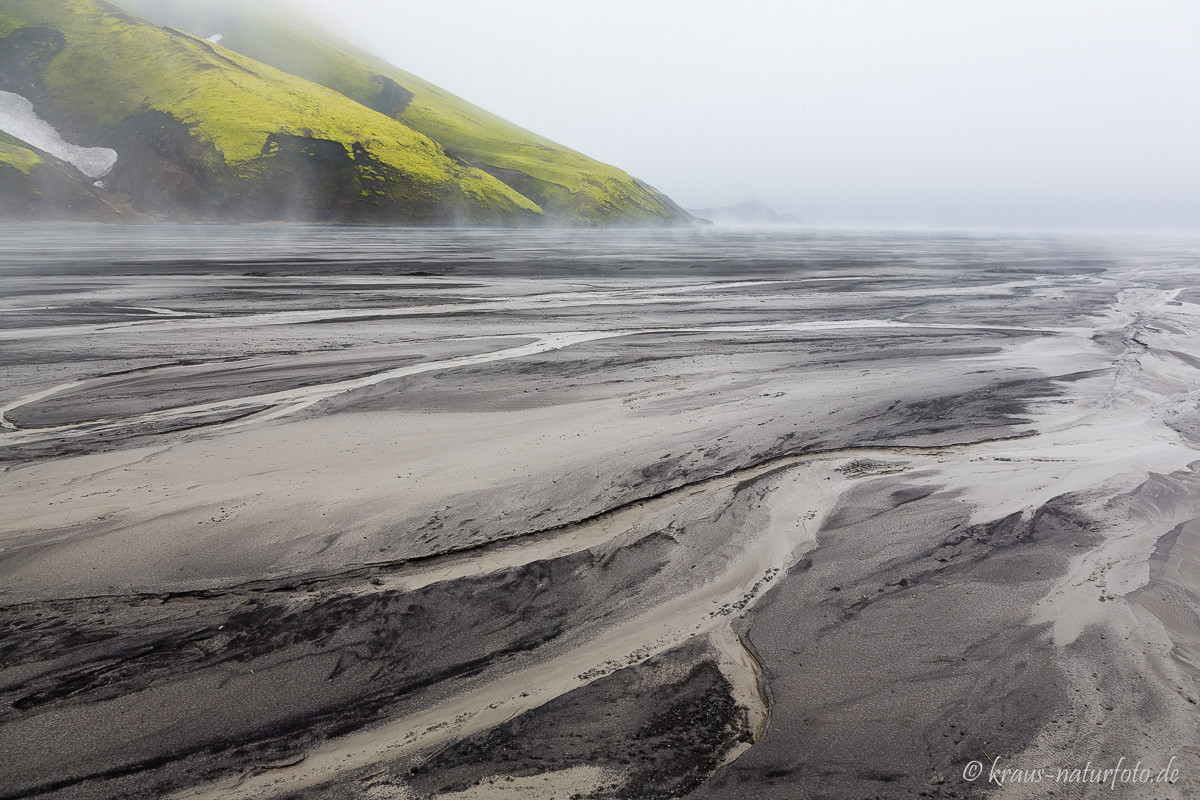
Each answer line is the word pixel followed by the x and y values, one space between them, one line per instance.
pixel 341 635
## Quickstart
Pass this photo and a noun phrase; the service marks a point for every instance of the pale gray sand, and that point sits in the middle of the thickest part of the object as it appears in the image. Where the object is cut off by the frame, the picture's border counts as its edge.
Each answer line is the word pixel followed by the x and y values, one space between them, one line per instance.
pixel 425 497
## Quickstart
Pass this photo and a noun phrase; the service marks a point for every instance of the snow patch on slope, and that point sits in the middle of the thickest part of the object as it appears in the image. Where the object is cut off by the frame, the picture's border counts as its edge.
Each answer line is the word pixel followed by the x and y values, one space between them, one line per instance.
pixel 18 119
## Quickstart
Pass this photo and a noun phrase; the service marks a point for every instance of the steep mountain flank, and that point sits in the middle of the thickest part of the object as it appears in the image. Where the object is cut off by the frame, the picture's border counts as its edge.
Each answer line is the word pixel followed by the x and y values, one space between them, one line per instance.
pixel 35 186
pixel 205 133
pixel 565 183
pixel 204 128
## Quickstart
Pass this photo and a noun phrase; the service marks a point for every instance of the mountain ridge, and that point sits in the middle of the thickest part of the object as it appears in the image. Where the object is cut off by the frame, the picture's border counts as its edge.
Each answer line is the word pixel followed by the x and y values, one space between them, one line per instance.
pixel 205 132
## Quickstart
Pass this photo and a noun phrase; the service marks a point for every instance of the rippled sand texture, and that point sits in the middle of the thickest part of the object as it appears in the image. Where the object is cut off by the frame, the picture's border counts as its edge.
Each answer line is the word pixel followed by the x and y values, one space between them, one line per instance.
pixel 342 513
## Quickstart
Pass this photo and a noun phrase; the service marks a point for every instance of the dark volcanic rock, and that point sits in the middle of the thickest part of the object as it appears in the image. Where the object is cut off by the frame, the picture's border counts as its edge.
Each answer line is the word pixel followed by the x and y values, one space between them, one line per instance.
pixel 24 53
pixel 392 99
pixel 165 170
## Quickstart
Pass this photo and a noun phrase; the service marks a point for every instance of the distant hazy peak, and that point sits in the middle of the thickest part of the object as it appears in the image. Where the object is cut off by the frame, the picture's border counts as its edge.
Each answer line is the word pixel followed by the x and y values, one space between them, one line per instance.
pixel 747 212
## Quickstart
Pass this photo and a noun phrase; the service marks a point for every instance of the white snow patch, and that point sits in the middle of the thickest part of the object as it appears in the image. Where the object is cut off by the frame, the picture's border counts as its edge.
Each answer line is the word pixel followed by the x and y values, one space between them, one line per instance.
pixel 216 38
pixel 17 119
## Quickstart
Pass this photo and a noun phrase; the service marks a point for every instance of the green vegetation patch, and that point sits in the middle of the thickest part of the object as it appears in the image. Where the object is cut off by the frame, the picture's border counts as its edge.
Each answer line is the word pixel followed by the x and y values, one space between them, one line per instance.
pixel 8 24
pixel 16 154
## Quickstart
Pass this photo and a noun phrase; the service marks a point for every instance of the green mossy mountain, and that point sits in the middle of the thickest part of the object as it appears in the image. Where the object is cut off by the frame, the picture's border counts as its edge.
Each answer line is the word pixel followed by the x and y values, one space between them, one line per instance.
pixel 563 182
pixel 205 132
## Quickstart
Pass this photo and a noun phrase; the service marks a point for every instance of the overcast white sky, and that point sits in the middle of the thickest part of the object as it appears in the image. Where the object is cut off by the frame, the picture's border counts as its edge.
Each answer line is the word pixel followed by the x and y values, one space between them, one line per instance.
pixel 1059 113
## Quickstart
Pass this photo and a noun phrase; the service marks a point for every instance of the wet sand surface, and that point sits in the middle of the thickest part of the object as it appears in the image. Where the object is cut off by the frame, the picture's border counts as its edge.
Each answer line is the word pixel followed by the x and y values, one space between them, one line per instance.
pixel 341 513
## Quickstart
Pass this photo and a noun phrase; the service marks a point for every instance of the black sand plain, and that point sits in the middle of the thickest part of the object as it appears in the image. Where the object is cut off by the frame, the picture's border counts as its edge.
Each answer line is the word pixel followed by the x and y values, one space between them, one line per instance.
pixel 356 513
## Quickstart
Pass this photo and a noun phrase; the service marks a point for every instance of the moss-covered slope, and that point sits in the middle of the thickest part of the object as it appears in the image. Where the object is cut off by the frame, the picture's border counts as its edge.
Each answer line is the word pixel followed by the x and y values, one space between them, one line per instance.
pixel 36 186
pixel 17 156
pixel 205 132
pixel 563 182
